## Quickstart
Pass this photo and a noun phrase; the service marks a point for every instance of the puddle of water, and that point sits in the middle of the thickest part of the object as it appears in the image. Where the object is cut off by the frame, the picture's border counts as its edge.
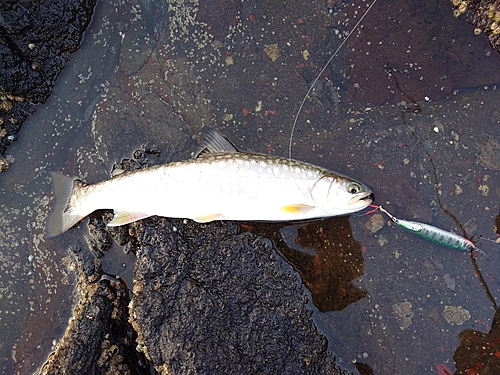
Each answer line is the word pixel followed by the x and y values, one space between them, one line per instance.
pixel 37 287
pixel 186 79
pixel 400 268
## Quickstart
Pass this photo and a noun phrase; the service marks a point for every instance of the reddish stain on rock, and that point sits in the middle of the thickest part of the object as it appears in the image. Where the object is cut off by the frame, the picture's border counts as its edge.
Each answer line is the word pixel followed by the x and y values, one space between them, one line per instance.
pixel 424 48
pixel 442 369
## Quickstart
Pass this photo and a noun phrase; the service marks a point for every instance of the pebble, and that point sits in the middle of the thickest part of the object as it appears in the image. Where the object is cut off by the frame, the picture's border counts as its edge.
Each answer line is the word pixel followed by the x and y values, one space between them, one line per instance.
pixel 456 315
pixel 403 312
pixel 374 224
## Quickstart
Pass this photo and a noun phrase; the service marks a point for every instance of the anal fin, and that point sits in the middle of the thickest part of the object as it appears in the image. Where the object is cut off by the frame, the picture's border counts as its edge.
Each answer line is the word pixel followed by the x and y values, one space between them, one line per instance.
pixel 125 217
pixel 207 218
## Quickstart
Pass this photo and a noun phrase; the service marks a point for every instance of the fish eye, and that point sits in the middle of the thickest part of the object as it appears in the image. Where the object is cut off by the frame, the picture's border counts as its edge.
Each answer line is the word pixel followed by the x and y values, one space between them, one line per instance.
pixel 354 188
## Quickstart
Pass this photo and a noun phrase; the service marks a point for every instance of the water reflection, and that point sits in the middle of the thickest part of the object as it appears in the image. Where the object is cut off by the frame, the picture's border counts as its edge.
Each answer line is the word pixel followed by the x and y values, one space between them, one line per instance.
pixel 479 353
pixel 336 259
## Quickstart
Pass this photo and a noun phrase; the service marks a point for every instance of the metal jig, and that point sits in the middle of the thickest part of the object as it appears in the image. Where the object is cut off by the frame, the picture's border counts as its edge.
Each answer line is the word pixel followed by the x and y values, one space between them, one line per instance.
pixel 434 234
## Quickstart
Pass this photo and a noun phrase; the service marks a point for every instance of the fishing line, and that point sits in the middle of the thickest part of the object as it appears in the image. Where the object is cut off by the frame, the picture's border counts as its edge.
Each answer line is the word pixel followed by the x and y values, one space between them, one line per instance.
pixel 319 76
pixel 418 109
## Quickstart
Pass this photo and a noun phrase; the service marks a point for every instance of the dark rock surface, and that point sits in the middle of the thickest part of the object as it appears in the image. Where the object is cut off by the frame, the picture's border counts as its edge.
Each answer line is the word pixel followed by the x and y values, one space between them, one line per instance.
pixel 36 40
pixel 99 338
pixel 208 299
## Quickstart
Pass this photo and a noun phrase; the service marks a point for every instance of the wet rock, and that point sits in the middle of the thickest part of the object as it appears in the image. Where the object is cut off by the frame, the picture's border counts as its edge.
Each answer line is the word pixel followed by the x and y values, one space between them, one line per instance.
pixel 120 234
pixel 403 198
pixel 208 299
pixel 219 16
pixel 363 368
pixel 100 240
pixel 36 39
pixel 420 51
pixel 497 224
pixel 489 152
pixel 456 315
pixel 151 104
pixel 333 261
pixel 272 51
pixel 99 338
pixel 450 282
pixel 94 247
pixel 136 48
pixel 382 241
pixel 3 164
pixel 428 267
pixel 154 13
pixel 97 229
pixel 87 264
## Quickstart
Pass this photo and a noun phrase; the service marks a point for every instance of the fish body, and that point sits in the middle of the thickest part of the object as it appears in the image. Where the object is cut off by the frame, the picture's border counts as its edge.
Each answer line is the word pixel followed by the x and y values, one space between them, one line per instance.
pixel 220 183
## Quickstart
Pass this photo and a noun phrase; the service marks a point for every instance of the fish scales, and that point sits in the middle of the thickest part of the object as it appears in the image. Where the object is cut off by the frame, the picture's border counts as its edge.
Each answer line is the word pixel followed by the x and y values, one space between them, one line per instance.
pixel 206 184
pixel 203 184
pixel 220 185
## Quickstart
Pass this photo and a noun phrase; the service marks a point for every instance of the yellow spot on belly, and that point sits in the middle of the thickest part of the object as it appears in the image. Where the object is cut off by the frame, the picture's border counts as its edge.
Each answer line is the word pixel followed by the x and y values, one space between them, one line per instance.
pixel 296 208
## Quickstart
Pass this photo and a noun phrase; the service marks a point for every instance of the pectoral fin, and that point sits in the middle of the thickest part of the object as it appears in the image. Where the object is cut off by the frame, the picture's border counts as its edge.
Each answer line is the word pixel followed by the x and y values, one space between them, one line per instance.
pixel 124 217
pixel 296 208
pixel 207 218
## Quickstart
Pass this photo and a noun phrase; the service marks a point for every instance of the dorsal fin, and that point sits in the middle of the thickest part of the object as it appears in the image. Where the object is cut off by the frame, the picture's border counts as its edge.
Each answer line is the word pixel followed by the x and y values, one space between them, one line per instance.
pixel 212 143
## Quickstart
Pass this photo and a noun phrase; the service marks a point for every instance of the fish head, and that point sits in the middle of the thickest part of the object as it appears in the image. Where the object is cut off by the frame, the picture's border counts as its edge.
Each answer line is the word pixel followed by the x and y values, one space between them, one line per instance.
pixel 341 195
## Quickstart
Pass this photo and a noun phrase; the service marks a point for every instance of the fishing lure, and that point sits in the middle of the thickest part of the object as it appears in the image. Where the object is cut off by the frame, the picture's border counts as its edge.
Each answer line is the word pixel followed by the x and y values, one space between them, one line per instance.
pixel 434 234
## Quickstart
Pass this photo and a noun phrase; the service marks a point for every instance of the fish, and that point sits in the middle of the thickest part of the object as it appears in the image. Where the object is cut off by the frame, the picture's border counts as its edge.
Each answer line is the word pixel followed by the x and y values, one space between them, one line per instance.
pixel 218 183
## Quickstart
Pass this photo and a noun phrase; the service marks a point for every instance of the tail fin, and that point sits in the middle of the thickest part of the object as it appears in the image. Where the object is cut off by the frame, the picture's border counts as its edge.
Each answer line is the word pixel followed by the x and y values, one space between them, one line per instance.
pixel 62 216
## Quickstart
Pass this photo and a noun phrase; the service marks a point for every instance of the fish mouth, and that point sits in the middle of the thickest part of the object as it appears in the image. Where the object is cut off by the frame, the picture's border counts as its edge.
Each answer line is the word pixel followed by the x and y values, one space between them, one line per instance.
pixel 367 197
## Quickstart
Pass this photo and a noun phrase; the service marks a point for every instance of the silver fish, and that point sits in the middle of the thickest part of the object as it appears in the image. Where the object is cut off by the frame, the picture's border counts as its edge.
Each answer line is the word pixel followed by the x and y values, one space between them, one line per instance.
pixel 219 183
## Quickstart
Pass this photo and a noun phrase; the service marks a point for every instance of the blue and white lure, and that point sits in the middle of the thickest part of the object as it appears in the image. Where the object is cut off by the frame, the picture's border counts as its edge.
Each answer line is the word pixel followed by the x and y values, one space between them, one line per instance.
pixel 434 234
